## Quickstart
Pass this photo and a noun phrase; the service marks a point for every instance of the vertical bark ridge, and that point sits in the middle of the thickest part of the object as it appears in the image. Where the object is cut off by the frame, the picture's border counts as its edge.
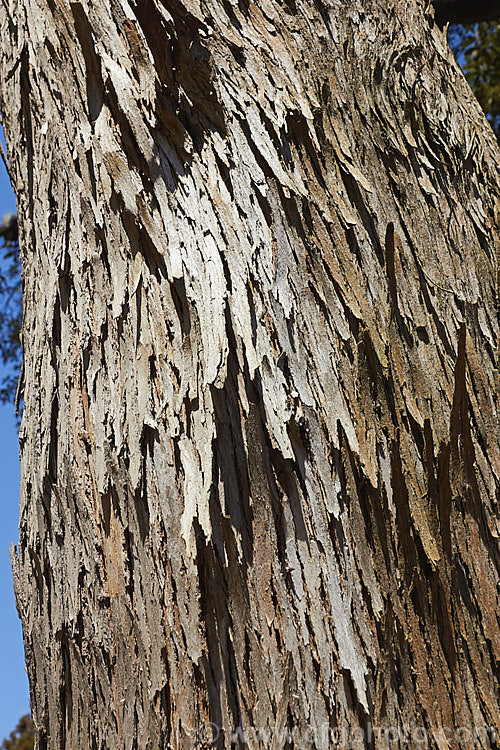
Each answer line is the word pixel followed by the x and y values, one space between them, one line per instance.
pixel 260 463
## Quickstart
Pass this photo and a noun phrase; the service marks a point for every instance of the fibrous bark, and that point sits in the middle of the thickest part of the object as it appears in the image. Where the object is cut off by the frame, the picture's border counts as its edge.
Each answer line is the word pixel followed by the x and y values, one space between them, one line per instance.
pixel 260 459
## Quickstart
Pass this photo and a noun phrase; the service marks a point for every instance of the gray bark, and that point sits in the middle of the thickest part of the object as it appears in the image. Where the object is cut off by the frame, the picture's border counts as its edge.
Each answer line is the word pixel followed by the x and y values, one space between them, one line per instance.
pixel 260 457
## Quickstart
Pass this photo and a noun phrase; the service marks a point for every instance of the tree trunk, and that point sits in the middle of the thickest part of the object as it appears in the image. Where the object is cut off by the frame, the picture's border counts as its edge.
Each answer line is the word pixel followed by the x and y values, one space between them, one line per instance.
pixel 260 458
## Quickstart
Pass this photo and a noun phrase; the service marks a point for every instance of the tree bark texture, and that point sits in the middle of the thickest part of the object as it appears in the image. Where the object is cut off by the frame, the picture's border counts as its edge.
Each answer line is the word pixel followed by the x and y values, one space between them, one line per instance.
pixel 260 457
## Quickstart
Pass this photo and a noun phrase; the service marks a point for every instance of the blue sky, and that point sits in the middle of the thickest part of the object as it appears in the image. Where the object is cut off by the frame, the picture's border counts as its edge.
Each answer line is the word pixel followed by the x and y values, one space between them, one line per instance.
pixel 14 695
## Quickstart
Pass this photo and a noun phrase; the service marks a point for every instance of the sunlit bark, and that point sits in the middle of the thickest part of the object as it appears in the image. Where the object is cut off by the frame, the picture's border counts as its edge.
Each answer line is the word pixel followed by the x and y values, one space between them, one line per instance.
pixel 260 459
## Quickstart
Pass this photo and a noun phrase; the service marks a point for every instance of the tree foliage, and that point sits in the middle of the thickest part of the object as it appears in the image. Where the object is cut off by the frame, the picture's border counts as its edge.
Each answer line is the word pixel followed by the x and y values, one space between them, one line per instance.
pixel 477 47
pixel 22 738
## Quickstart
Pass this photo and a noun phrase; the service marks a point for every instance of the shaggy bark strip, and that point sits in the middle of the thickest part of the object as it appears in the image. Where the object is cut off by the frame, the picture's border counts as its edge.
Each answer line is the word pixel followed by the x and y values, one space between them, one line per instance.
pixel 260 457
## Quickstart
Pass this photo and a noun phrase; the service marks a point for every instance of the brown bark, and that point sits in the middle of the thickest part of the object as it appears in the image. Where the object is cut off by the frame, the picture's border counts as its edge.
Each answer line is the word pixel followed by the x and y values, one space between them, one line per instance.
pixel 260 458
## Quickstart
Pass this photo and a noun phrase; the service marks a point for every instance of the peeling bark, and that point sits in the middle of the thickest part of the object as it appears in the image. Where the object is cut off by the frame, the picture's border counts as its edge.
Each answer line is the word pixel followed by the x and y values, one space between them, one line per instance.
pixel 260 457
